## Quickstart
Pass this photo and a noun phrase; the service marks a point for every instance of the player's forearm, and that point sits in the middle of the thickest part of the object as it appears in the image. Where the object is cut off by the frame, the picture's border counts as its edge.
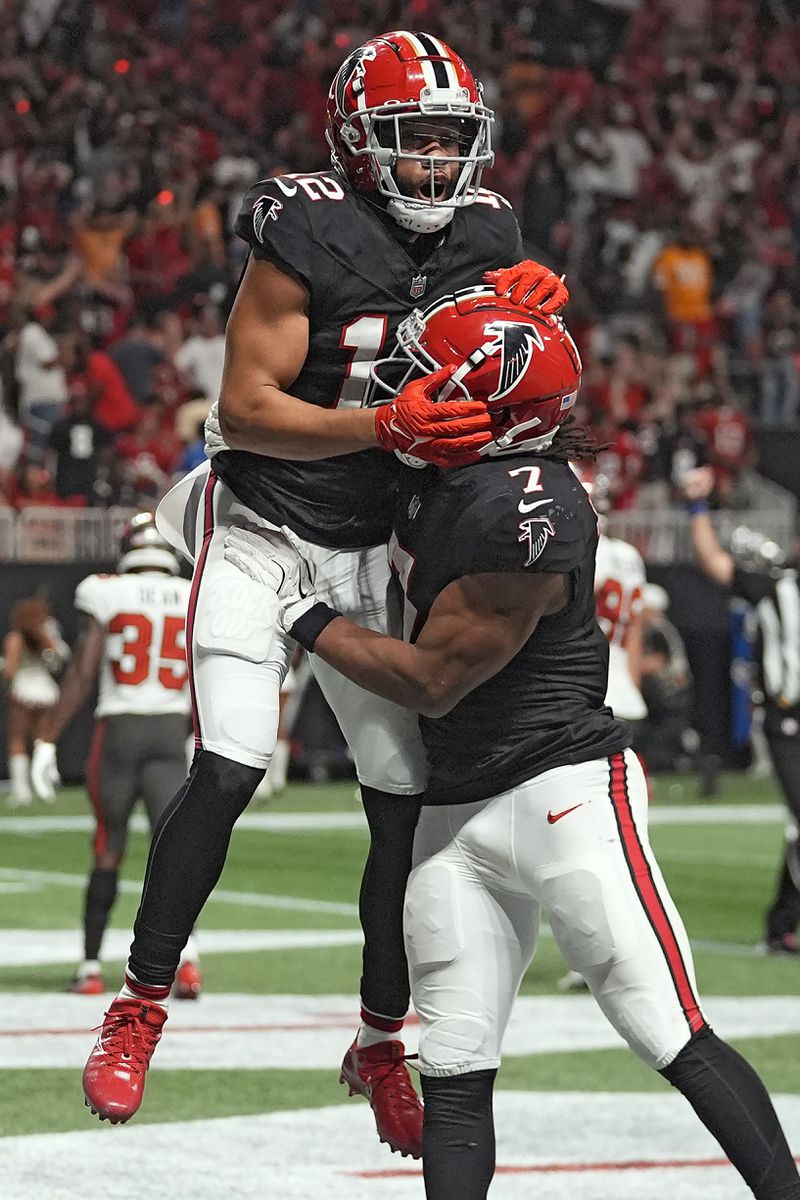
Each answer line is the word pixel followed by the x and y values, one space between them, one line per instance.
pixel 76 687
pixel 278 425
pixel 715 561
pixel 397 671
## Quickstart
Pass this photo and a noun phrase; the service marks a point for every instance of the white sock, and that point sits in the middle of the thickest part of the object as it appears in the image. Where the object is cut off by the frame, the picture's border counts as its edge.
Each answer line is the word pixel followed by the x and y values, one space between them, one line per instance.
pixel 368 1035
pixel 190 952
pixel 279 765
pixel 126 993
pixel 89 966
pixel 19 770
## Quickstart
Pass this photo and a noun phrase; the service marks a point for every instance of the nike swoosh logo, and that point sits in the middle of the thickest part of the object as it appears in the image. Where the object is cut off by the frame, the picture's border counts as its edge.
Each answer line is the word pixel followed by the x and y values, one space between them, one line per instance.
pixel 553 817
pixel 524 506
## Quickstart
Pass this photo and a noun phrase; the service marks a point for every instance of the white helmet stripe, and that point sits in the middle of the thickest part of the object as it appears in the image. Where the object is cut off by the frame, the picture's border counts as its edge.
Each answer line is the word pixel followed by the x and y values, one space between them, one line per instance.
pixel 419 50
pixel 452 76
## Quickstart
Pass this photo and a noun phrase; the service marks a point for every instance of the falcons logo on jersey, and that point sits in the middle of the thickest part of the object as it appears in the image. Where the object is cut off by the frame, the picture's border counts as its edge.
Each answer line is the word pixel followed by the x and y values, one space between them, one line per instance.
pixel 515 343
pixel 536 531
pixel 265 209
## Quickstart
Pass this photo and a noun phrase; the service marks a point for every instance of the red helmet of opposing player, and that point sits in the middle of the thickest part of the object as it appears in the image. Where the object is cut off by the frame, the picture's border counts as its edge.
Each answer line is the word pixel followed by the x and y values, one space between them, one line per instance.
pixel 524 366
pixel 389 101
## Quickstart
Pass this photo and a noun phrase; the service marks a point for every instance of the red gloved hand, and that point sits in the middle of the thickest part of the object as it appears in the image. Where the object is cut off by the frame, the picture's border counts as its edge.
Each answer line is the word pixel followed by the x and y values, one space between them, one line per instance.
pixel 448 434
pixel 532 285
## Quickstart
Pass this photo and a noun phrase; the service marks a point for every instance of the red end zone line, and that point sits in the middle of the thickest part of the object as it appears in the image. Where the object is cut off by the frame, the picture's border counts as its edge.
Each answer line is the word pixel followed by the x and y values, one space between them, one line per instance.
pixel 344 1024
pixel 567 1168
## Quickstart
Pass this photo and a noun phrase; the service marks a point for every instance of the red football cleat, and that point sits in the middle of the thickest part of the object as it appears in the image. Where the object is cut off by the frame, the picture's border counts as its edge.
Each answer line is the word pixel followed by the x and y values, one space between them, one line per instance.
pixel 188 982
pixel 113 1078
pixel 380 1073
pixel 87 985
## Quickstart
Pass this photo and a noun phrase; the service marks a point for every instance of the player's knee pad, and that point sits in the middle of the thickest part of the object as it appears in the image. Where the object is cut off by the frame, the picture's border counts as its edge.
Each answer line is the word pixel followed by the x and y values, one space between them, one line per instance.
pixel 455 1028
pixel 432 918
pixel 589 916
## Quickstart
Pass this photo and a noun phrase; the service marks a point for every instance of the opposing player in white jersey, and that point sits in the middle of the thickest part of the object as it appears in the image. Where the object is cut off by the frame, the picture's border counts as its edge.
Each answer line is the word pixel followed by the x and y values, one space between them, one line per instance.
pixel 618 587
pixel 133 647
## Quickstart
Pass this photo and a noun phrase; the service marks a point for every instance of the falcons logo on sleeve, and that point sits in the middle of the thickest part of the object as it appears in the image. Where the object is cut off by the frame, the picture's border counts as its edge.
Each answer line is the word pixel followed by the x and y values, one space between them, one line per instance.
pixel 266 209
pixel 515 343
pixel 536 531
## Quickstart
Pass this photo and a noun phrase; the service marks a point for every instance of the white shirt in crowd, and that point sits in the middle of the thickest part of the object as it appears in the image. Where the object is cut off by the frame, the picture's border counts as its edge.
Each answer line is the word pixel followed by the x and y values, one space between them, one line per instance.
pixel 38 383
pixel 201 359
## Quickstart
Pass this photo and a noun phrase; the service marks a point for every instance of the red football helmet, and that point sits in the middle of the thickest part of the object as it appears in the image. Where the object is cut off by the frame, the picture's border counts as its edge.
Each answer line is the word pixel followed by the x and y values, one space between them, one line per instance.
pixel 388 101
pixel 523 365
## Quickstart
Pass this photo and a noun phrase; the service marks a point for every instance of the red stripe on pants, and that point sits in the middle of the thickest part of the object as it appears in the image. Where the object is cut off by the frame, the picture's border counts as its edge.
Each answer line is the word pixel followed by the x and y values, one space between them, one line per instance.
pixel 93 787
pixel 647 891
pixel 208 533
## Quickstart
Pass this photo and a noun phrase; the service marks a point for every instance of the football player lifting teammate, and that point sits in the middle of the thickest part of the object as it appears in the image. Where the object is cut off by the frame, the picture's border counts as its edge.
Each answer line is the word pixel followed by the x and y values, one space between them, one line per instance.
pixel 338 259
pixel 534 804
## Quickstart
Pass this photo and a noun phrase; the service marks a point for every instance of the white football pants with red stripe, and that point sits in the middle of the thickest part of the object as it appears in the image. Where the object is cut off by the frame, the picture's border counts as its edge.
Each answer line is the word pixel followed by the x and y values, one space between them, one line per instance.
pixel 572 844
pixel 238 657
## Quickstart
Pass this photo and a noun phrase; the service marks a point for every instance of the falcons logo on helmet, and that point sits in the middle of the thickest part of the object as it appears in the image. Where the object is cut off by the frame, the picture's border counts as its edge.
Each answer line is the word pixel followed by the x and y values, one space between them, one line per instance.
pixel 536 531
pixel 352 69
pixel 515 342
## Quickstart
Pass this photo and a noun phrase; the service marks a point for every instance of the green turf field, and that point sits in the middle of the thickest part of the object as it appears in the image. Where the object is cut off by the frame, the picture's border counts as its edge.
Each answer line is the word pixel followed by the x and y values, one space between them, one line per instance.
pixel 291 882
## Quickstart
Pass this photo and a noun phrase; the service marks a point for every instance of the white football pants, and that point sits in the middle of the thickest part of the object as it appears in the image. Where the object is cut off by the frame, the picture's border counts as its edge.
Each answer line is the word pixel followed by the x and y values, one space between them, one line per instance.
pixel 571 843
pixel 238 657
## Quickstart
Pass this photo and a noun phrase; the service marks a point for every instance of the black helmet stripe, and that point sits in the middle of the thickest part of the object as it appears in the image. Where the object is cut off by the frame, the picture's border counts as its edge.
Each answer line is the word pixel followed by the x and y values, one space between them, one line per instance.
pixel 439 69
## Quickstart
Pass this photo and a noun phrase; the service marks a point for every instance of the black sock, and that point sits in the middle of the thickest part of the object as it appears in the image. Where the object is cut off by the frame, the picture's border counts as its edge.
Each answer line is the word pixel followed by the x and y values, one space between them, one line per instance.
pixel 101 892
pixel 187 855
pixel 392 820
pixel 458 1149
pixel 733 1104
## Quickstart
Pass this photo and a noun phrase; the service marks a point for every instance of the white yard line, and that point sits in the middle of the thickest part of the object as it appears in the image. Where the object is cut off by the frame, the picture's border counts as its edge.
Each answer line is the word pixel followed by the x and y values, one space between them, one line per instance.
pixel 220 895
pixel 230 1031
pixel 310 822
pixel 560 1144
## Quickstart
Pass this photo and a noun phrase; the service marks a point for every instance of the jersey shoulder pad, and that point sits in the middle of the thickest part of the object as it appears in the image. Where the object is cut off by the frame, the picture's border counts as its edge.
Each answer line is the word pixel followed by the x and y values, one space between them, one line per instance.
pixel 95 596
pixel 523 515
pixel 494 222
pixel 492 199
pixel 277 219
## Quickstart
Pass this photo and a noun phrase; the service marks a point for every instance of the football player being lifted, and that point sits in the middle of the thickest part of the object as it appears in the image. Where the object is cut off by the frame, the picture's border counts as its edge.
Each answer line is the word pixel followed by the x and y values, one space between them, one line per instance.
pixel 133 644
pixel 338 259
pixel 534 804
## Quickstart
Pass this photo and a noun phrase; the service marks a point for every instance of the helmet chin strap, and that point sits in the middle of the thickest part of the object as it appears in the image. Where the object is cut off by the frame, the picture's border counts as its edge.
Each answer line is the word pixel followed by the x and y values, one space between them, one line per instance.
pixel 417 219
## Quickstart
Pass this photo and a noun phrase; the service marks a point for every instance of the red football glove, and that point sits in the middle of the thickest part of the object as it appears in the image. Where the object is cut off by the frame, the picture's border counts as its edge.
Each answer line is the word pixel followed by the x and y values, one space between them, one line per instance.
pixel 448 434
pixel 532 285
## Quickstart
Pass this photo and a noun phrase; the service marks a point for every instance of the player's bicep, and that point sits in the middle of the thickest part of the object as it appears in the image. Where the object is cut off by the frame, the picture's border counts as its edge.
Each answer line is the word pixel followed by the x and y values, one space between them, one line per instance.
pixel 266 339
pixel 478 623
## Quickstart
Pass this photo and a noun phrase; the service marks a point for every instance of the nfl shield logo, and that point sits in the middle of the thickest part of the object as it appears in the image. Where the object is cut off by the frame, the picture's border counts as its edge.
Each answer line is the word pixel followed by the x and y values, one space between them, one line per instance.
pixel 418 285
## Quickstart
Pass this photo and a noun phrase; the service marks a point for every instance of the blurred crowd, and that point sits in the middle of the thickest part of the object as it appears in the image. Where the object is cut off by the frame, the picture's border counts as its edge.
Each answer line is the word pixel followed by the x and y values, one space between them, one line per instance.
pixel 651 149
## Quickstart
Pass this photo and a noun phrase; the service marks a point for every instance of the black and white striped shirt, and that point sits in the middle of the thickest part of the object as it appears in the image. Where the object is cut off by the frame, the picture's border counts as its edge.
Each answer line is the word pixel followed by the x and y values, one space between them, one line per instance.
pixel 776 600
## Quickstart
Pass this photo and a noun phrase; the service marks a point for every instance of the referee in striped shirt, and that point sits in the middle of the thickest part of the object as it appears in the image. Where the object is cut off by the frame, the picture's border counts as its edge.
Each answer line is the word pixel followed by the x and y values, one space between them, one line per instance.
pixel 774 593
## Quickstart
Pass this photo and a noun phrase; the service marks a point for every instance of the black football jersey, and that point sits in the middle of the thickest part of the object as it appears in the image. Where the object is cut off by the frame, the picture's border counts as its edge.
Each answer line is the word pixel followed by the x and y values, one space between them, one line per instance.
pixel 776 600
pixel 546 707
pixel 362 282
